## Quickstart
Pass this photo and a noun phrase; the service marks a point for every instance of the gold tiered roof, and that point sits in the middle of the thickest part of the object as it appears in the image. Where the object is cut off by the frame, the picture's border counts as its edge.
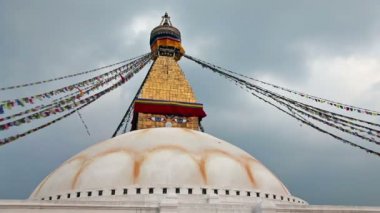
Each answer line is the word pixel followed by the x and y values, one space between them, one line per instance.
pixel 166 81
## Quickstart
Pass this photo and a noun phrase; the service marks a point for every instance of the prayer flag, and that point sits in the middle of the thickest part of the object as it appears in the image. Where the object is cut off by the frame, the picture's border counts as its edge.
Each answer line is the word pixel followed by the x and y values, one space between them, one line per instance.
pixel 19 102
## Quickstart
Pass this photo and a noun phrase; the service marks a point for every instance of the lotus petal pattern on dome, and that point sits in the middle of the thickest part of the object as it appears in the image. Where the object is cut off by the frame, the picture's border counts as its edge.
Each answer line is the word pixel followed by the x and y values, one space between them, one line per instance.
pixel 173 156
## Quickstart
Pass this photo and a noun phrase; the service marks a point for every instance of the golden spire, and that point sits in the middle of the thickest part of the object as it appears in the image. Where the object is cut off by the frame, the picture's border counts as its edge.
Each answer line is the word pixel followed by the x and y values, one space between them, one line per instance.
pixel 166 99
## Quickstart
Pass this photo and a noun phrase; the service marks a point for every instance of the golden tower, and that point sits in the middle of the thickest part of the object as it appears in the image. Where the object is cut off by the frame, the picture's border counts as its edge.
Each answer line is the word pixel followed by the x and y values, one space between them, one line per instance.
pixel 166 98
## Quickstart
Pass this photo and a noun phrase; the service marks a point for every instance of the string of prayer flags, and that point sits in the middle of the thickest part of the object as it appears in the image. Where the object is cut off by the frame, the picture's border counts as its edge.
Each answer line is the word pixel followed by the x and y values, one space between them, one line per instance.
pixel 9 104
pixel 70 103
pixel 69 76
pixel 17 136
pixel 303 112
pixel 338 105
pixel 40 107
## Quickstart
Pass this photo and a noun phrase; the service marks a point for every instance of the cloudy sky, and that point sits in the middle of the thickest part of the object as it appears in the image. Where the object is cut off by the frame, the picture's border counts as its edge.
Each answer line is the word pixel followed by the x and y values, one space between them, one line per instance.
pixel 326 48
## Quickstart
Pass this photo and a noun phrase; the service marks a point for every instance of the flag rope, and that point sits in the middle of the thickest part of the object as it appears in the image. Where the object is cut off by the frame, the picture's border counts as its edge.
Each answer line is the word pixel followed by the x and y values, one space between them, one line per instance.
pixel 336 104
pixel 68 76
pixel 9 104
pixel 301 111
pixel 85 102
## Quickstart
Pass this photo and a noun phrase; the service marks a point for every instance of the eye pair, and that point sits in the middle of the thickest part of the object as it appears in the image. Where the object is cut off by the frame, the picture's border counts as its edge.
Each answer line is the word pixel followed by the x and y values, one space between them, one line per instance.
pixel 179 120
pixel 157 119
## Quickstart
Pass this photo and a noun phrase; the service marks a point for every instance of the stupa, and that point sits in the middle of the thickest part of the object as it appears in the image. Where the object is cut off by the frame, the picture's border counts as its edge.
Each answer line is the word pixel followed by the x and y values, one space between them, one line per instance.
pixel 165 151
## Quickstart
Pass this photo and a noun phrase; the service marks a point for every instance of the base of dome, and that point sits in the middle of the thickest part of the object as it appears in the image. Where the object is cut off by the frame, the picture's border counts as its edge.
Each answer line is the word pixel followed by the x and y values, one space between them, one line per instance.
pixel 182 194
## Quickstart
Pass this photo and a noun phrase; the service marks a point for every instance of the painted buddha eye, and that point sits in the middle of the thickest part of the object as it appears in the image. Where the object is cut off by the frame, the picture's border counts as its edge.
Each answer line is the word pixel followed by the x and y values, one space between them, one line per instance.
pixel 180 120
pixel 157 119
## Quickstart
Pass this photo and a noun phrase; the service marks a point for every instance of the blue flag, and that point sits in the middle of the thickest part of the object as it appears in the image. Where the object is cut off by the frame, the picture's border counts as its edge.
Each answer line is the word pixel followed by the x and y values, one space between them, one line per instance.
pixel 19 102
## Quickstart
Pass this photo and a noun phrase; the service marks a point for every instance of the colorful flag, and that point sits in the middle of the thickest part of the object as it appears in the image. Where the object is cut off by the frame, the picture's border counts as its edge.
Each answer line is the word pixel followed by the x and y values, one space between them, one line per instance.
pixel 19 102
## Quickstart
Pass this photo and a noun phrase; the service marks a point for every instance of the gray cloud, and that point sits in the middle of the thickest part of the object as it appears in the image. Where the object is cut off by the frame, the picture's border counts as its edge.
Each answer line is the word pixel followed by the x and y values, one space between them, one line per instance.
pixel 43 39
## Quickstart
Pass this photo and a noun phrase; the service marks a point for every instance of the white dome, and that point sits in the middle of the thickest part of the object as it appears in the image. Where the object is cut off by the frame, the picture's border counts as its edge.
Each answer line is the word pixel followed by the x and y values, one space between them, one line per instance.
pixel 160 156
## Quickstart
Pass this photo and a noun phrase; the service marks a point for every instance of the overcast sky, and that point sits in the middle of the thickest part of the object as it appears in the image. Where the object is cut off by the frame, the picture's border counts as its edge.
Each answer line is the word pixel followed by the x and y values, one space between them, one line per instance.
pixel 326 48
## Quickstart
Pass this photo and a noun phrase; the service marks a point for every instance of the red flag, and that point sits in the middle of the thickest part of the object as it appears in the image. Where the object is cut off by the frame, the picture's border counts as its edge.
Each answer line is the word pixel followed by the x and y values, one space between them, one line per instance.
pixel 122 78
